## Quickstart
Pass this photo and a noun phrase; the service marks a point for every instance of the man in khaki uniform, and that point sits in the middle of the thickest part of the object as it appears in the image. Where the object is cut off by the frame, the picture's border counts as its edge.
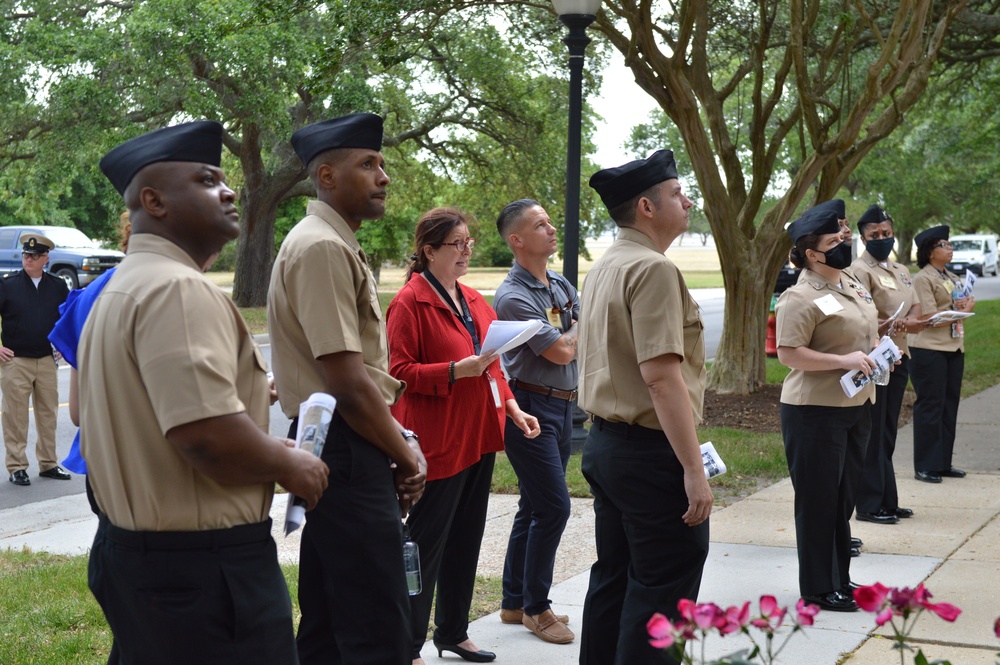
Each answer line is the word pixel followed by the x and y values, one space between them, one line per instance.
pixel 891 288
pixel 642 378
pixel 174 412
pixel 29 308
pixel 327 334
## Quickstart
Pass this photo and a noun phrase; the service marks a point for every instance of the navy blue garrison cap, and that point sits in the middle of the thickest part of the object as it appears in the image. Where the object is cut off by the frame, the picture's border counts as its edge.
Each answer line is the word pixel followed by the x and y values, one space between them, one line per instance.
pixel 199 141
pixel 819 220
pixel 933 233
pixel 836 205
pixel 358 130
pixel 874 215
pixel 621 183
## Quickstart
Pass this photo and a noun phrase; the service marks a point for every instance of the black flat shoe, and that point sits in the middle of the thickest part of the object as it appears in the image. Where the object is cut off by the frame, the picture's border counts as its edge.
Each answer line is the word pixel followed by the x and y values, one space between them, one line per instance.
pixel 901 513
pixel 833 602
pixel 20 478
pixel 471 656
pixel 952 473
pixel 856 543
pixel 881 517
pixel 855 551
pixel 55 473
pixel 927 476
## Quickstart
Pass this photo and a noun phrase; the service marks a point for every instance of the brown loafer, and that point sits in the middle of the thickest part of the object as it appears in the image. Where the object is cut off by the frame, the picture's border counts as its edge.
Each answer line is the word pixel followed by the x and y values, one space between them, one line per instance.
pixel 514 616
pixel 548 628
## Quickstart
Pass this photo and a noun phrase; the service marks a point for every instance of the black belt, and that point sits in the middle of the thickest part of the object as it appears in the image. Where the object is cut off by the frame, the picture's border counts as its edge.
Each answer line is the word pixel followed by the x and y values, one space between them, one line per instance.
pixel 209 539
pixel 626 430
pixel 568 395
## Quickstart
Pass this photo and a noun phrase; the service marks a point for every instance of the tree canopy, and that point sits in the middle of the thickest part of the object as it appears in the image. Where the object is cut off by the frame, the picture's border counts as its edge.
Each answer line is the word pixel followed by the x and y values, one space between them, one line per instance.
pixel 468 110
pixel 776 104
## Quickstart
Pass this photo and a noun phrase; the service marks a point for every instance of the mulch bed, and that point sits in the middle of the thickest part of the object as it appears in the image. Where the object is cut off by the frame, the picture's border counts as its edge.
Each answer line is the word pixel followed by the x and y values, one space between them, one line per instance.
pixel 759 411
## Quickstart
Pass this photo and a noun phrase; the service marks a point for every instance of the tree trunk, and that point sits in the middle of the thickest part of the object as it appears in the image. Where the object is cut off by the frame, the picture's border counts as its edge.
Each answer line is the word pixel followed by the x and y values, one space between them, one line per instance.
pixel 739 361
pixel 255 250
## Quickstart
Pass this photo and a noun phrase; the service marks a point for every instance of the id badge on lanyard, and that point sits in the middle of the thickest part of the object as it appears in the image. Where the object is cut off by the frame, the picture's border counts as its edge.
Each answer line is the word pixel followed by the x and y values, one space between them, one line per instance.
pixel 495 389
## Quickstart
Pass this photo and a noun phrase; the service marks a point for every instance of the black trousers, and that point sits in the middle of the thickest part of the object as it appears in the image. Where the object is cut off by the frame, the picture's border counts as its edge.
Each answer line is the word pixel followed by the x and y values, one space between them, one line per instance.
pixel 878 478
pixel 544 506
pixel 447 525
pixel 647 558
pixel 192 596
pixel 825 449
pixel 352 586
pixel 937 380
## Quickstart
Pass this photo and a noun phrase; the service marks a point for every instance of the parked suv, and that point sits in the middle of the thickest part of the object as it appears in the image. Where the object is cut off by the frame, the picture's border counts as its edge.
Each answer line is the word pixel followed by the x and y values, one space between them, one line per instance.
pixel 977 253
pixel 77 259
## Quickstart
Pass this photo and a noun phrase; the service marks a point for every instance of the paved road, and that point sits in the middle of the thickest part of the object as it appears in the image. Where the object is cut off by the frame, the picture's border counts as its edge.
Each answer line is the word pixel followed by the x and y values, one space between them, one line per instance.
pixel 711 301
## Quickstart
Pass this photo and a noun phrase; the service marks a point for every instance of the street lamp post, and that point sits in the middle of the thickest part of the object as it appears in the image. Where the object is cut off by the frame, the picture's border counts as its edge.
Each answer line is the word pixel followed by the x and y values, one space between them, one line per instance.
pixel 577 15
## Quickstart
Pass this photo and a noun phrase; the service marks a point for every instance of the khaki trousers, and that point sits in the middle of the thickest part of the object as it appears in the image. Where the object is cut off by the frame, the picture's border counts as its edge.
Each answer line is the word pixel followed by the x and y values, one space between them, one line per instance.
pixel 21 378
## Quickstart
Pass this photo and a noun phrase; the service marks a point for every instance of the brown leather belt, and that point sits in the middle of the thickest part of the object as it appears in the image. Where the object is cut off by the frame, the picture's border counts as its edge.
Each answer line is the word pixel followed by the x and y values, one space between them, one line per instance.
pixel 568 395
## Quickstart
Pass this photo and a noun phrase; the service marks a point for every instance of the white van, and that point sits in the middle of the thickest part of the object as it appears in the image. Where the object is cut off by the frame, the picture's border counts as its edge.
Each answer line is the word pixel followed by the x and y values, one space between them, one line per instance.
pixel 977 253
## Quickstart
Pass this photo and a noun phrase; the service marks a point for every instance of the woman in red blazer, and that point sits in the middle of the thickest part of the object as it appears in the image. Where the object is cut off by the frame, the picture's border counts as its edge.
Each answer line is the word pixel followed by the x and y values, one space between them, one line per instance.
pixel 457 401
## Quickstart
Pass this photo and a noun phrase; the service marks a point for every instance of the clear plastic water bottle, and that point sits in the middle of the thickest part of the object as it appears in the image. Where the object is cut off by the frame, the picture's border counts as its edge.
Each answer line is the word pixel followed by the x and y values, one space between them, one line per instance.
pixel 411 562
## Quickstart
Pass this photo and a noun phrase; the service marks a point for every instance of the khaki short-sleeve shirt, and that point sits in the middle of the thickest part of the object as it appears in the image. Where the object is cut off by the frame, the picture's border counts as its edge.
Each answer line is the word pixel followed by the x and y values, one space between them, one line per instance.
pixel 934 293
pixel 890 286
pixel 164 347
pixel 323 300
pixel 636 307
pixel 829 319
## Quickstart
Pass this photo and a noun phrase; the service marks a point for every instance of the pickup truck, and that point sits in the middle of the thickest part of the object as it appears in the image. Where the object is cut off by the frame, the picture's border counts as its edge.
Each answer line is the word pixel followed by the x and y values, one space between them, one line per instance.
pixel 77 259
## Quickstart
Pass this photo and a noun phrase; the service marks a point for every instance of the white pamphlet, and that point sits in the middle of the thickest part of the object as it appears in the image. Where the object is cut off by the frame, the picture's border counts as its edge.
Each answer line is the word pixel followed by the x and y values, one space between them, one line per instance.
pixel 714 466
pixel 885 355
pixel 949 315
pixel 503 336
pixel 315 415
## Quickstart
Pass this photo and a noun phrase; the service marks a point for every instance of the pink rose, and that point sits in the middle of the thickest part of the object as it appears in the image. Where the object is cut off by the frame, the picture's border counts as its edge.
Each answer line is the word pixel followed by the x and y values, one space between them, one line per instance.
pixel 661 631
pixel 735 619
pixel 705 615
pixel 946 611
pixel 806 613
pixel 870 598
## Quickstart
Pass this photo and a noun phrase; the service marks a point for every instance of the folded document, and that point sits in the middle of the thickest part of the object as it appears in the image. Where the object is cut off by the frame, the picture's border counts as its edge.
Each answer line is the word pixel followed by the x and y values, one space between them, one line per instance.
pixel 885 355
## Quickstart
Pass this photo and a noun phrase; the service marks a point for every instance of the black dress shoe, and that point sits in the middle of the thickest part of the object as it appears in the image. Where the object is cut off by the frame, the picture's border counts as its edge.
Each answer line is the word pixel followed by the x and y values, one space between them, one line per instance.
pixel 20 478
pixel 848 589
pixel 833 601
pixel 855 551
pixel 56 473
pixel 927 476
pixel 856 543
pixel 881 517
pixel 952 472
pixel 900 512
pixel 471 656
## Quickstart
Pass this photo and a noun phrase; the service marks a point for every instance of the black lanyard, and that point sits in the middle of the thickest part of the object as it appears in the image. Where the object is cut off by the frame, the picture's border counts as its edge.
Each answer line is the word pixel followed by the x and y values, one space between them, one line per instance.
pixel 464 316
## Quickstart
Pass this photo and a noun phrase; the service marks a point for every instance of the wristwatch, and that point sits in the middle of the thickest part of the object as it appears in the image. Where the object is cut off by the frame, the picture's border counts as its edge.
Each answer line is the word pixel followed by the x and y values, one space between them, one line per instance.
pixel 410 434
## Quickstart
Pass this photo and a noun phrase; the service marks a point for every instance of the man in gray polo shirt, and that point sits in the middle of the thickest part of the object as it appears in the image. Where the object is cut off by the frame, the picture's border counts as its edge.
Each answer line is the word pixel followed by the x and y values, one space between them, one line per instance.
pixel 543 375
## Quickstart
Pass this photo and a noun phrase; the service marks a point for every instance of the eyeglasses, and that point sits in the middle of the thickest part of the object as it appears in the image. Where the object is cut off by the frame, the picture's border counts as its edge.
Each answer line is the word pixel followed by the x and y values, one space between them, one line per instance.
pixel 460 245
pixel 944 244
pixel 33 257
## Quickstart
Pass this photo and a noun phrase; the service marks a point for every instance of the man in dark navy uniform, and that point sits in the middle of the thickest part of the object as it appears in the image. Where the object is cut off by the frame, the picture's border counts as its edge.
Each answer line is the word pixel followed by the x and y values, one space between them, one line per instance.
pixel 29 308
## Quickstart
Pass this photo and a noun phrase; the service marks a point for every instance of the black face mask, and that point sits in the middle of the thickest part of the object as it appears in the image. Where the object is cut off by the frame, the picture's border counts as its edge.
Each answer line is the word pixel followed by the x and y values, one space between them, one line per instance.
pixel 879 249
pixel 838 257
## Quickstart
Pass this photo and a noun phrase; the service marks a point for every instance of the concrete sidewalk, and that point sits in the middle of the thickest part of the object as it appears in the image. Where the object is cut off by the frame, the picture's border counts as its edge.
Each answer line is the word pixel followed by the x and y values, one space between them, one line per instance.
pixel 952 544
